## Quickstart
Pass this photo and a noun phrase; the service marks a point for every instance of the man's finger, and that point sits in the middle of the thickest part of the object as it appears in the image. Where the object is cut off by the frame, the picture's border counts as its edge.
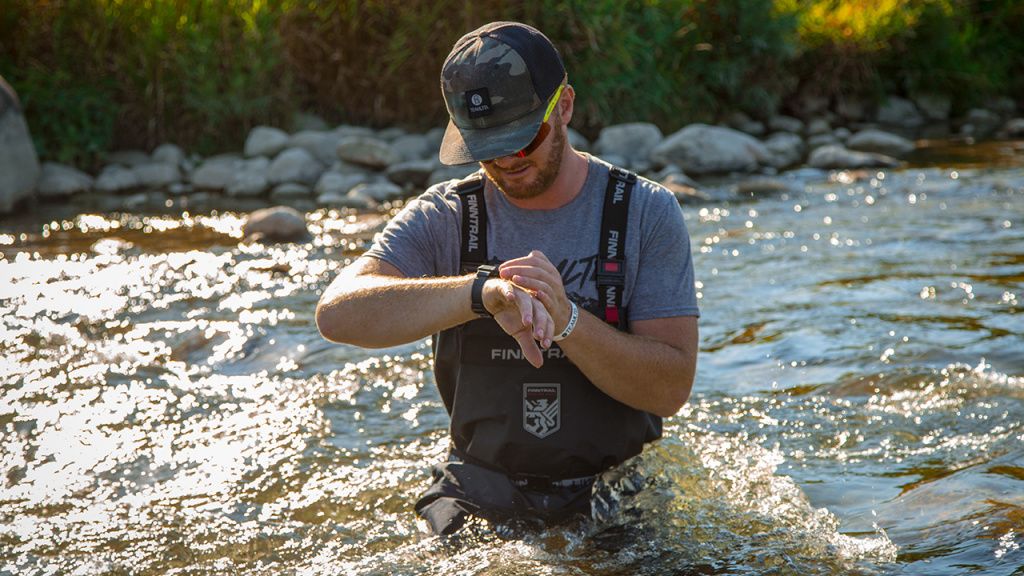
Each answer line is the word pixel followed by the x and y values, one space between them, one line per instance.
pixel 550 332
pixel 543 324
pixel 533 260
pixel 531 284
pixel 529 346
pixel 524 302
pixel 546 299
pixel 539 262
pixel 539 258
pixel 521 301
pixel 542 257
pixel 549 324
pixel 509 292
pixel 550 276
pixel 543 294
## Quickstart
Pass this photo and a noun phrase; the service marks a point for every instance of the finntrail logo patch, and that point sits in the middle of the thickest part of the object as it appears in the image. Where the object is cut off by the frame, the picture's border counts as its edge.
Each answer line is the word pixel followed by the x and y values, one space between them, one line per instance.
pixel 473 202
pixel 620 192
pixel 542 409
pixel 478 102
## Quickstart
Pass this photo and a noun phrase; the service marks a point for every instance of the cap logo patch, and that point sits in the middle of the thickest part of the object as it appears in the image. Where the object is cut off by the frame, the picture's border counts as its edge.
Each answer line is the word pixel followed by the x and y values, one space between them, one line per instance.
pixel 478 102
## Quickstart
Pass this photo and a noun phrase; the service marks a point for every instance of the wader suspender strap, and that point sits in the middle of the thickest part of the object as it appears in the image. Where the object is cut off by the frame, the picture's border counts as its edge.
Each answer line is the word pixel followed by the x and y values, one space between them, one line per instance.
pixel 474 223
pixel 611 270
pixel 611 266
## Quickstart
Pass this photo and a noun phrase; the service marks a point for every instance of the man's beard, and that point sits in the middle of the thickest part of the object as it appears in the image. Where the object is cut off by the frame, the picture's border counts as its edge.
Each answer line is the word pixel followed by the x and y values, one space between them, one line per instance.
pixel 546 175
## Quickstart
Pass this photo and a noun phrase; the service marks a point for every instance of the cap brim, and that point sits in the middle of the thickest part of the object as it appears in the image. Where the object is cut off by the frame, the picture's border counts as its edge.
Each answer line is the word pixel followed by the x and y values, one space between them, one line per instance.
pixel 462 145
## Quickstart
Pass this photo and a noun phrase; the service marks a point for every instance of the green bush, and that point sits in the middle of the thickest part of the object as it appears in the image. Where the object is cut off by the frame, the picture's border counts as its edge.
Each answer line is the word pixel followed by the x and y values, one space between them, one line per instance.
pixel 977 50
pixel 70 121
pixel 969 51
pixel 99 74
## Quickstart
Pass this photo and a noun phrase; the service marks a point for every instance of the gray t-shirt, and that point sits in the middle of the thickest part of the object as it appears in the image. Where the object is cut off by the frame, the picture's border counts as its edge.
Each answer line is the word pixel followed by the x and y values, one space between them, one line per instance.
pixel 424 240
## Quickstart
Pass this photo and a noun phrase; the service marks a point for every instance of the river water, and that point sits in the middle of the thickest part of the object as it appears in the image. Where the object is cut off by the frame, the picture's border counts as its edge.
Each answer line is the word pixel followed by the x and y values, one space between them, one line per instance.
pixel 167 406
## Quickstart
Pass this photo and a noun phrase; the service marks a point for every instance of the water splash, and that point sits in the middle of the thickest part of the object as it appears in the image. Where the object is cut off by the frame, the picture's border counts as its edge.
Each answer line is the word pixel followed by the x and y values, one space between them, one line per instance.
pixel 716 503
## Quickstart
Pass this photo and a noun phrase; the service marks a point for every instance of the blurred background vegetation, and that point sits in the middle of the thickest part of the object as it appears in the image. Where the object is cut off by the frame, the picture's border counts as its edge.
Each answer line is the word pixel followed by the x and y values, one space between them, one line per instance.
pixel 97 75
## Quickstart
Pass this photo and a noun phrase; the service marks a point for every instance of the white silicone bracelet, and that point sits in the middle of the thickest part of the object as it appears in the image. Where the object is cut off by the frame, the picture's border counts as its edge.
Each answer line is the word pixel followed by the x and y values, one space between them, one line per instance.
pixel 573 317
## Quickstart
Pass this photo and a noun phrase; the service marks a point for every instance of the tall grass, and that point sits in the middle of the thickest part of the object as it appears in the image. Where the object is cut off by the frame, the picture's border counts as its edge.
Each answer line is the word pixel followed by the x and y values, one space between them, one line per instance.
pixel 670 62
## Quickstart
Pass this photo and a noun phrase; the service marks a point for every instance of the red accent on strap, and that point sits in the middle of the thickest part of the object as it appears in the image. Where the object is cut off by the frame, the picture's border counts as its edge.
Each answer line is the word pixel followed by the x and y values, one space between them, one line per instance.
pixel 611 314
pixel 611 266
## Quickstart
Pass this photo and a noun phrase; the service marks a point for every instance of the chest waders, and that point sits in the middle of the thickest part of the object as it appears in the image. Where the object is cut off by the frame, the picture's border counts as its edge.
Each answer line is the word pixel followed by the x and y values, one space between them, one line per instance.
pixel 537 426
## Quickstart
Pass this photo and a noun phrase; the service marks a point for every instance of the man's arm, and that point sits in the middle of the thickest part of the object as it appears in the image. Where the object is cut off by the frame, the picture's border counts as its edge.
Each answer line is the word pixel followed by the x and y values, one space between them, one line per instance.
pixel 650 369
pixel 372 304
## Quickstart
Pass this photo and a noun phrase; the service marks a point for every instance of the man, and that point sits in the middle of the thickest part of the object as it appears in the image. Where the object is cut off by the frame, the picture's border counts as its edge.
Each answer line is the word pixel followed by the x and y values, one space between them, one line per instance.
pixel 524 274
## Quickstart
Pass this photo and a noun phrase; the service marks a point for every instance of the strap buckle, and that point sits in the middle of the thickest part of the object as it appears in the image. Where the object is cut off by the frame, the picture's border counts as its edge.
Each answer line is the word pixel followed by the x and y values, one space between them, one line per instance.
pixel 611 272
pixel 483 274
pixel 469 184
pixel 622 174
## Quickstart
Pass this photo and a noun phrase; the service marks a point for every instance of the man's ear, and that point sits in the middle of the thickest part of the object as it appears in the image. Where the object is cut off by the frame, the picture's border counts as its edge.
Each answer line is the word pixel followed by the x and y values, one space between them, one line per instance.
pixel 566 104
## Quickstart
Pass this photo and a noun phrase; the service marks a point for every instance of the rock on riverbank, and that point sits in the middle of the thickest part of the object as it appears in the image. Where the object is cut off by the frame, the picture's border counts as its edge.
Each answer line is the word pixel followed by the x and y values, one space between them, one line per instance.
pixel 361 168
pixel 19 165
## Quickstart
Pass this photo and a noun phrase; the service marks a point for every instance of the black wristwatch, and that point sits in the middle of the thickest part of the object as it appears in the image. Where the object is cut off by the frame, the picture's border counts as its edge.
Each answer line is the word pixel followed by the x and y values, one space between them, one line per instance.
pixel 483 274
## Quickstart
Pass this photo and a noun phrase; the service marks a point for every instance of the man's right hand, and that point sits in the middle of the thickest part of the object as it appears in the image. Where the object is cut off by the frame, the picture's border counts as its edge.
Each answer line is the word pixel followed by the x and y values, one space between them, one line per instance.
pixel 522 316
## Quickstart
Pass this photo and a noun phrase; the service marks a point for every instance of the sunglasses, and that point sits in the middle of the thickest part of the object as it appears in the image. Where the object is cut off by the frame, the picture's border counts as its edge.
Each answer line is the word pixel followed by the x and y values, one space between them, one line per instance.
pixel 545 128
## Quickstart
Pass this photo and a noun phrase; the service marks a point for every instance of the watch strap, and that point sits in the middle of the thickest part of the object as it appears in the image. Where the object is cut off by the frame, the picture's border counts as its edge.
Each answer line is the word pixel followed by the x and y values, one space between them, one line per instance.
pixel 483 274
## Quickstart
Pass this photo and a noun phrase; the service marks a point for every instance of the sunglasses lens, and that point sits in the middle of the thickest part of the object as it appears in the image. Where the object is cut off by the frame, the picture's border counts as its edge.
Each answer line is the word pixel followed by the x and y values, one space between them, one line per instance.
pixel 542 134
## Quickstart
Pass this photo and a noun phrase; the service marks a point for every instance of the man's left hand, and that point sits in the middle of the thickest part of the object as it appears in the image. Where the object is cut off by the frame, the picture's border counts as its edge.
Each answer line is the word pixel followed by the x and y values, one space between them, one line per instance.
pixel 534 272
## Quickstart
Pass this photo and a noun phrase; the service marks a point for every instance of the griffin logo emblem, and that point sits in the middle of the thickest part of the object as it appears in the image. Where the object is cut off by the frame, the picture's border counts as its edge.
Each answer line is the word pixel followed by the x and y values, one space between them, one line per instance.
pixel 542 409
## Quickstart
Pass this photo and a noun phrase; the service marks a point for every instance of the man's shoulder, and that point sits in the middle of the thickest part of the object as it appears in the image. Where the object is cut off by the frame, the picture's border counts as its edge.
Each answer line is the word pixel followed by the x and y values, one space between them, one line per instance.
pixel 447 191
pixel 655 192
pixel 645 190
pixel 440 197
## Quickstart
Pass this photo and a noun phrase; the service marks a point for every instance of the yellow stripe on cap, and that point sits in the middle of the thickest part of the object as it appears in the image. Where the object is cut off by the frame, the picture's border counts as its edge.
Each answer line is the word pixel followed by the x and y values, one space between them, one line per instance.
pixel 552 102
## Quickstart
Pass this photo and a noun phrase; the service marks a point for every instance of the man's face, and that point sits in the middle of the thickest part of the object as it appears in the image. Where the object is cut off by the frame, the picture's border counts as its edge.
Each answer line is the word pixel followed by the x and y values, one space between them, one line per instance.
pixel 529 177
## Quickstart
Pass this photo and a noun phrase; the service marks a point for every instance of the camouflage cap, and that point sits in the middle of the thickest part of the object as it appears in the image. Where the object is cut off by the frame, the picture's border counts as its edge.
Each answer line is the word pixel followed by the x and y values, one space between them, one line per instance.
pixel 496 84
